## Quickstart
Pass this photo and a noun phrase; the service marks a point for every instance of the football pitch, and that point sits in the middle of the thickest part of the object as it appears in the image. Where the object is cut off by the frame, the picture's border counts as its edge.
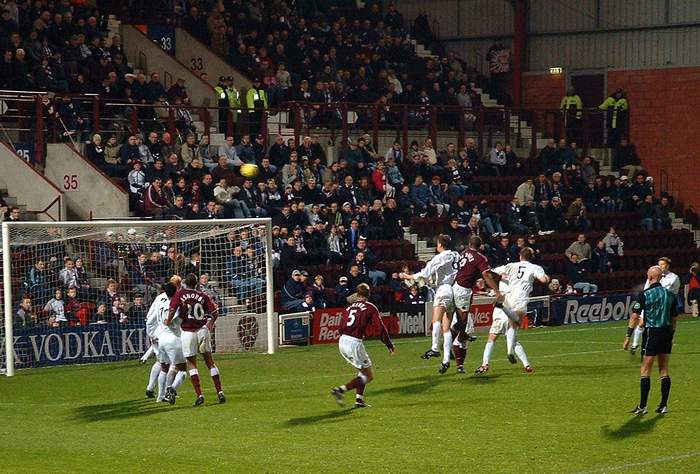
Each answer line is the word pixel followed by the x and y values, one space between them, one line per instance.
pixel 570 416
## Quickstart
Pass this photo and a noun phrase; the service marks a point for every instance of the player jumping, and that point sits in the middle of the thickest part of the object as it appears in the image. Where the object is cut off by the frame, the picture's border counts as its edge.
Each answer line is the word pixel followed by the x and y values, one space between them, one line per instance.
pixel 356 318
pixel 198 313
pixel 443 269
pixel 507 315
pixel 172 361
pixel 472 266
pixel 153 331
pixel 635 327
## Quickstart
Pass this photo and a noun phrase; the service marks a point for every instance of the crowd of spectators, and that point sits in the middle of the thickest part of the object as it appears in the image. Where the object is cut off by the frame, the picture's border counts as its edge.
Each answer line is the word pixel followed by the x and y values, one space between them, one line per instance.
pixel 58 47
pixel 317 52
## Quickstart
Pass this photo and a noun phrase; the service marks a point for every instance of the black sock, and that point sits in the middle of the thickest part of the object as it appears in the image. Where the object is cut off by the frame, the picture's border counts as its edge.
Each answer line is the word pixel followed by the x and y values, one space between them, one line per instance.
pixel 629 332
pixel 644 387
pixel 665 390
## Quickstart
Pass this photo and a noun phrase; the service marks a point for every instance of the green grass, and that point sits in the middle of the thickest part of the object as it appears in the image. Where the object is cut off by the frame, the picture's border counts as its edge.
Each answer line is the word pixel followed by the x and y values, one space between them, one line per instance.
pixel 571 415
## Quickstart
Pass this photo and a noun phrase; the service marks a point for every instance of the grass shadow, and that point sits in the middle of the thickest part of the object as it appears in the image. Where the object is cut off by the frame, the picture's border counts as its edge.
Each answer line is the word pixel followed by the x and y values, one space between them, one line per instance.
pixel 420 385
pixel 328 417
pixel 633 427
pixel 120 410
pixel 483 378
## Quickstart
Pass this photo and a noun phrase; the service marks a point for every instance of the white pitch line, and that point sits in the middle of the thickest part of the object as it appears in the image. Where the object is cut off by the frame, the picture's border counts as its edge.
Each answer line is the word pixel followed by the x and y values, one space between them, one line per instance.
pixel 650 462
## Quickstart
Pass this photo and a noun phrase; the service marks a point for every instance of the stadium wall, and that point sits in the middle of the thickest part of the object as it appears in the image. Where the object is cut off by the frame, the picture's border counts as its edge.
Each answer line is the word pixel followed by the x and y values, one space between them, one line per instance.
pixel 663 111
pixel 89 193
pixel 30 187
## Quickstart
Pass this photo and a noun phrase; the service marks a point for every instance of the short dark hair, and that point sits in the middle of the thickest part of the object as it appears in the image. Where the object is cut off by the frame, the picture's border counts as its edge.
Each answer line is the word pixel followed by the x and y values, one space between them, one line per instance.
pixel 170 289
pixel 665 259
pixel 445 241
pixel 475 241
pixel 191 280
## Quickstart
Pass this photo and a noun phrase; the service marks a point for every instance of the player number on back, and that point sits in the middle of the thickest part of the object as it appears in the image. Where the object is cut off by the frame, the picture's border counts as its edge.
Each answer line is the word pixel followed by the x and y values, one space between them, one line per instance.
pixel 195 311
pixel 351 317
pixel 521 271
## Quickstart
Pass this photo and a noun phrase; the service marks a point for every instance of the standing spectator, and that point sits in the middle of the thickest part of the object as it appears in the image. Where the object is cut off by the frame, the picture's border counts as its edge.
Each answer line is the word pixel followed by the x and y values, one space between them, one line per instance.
pixel 617 108
pixel 601 259
pixel 497 160
pixel 576 215
pixel 614 248
pixel 256 101
pixel 515 218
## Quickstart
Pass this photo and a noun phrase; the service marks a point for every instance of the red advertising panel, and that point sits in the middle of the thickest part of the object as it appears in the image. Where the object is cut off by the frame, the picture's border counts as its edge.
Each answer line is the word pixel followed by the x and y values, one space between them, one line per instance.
pixel 400 320
pixel 482 314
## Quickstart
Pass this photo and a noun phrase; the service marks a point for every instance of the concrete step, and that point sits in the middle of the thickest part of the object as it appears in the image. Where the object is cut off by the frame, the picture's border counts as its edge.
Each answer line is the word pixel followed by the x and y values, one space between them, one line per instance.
pixel 229 301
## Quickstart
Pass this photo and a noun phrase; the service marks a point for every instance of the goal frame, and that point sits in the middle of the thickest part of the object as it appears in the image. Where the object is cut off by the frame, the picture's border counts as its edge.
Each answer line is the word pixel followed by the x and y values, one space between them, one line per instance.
pixel 105 224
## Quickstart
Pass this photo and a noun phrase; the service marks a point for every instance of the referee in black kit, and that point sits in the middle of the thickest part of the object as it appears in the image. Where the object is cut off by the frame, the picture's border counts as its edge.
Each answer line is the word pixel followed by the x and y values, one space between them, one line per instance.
pixel 659 306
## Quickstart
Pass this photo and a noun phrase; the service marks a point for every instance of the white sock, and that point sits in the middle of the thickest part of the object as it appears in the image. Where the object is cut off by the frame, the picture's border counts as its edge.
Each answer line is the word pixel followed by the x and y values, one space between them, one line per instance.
pixel 488 349
pixel 520 352
pixel 470 325
pixel 437 329
pixel 162 376
pixel 148 353
pixel 153 378
pixel 637 336
pixel 214 371
pixel 510 339
pixel 179 378
pixel 446 347
pixel 169 379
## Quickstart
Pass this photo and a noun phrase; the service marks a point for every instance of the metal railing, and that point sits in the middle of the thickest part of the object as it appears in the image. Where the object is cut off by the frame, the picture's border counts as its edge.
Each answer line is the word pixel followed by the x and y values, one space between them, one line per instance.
pixel 36 117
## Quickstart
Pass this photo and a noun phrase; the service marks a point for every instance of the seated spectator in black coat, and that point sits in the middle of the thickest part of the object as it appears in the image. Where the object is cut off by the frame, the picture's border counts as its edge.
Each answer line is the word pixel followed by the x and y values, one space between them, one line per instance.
pixel 413 296
pixel 288 255
pixel 355 277
pixel 578 273
pixel 342 291
pixel 501 252
pixel 292 294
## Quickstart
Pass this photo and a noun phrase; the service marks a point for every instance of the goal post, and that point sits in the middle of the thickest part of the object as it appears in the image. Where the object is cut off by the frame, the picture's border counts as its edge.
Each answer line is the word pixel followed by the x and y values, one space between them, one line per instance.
pixel 78 292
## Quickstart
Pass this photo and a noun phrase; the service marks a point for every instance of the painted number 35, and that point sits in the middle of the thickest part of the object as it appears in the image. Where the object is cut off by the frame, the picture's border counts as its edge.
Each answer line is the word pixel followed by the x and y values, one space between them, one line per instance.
pixel 70 182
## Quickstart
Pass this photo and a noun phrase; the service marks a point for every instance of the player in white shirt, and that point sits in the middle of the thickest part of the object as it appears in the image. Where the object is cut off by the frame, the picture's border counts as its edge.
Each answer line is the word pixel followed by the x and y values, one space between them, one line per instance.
pixel 635 327
pixel 442 269
pixel 516 284
pixel 153 331
pixel 166 343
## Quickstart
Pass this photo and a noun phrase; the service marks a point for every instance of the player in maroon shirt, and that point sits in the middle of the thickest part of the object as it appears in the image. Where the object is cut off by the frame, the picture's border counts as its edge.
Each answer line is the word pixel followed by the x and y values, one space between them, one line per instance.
pixel 198 314
pixel 472 266
pixel 356 319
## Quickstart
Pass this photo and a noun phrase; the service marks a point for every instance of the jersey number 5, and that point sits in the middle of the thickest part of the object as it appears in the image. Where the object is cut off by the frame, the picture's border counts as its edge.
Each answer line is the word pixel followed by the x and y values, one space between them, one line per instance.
pixel 351 317
pixel 521 272
pixel 195 311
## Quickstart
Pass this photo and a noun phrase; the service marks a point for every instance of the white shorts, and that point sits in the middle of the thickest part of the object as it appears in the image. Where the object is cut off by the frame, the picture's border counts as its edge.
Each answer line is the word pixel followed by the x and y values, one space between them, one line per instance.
pixel 462 297
pixel 170 350
pixel 444 298
pixel 353 351
pixel 156 349
pixel 196 342
pixel 500 322
pixel 516 302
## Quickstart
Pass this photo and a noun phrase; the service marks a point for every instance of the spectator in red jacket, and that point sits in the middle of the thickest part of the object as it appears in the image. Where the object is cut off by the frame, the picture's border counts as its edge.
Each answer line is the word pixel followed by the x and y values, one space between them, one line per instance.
pixel 380 182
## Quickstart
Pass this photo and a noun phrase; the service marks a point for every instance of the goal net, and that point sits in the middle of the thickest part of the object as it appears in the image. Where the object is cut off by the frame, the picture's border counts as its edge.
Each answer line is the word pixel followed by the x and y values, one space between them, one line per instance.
pixel 78 292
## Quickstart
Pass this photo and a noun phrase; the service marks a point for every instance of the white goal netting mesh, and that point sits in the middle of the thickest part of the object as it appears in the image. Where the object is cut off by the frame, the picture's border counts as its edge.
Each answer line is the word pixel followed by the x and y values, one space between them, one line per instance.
pixel 80 292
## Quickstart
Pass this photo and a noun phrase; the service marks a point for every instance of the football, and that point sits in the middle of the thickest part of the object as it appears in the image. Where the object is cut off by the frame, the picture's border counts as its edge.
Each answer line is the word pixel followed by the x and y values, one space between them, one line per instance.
pixel 249 170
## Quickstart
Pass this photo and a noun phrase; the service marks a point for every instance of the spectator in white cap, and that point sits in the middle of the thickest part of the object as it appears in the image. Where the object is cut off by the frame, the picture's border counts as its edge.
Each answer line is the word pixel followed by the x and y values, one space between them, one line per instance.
pixel 342 291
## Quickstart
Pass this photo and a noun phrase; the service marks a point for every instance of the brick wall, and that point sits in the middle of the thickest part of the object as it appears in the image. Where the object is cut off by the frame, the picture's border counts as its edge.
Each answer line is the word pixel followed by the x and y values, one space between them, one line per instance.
pixel 664 119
